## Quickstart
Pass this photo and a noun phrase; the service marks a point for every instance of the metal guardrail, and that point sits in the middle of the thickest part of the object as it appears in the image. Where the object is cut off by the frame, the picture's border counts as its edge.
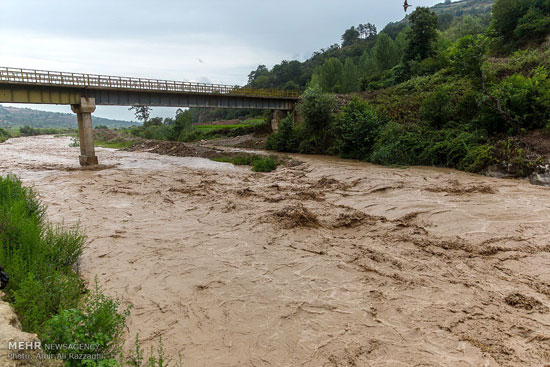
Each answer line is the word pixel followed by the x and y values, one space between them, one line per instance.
pixel 77 80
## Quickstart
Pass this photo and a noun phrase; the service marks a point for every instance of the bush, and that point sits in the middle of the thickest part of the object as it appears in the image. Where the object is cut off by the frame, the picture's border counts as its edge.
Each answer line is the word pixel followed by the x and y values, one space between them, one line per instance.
pixel 4 135
pixel 99 325
pixel 316 134
pixel 357 129
pixel 438 108
pixel 266 164
pixel 526 102
pixel 317 108
pixel 421 145
pixel 29 131
pixel 285 139
pixel 477 159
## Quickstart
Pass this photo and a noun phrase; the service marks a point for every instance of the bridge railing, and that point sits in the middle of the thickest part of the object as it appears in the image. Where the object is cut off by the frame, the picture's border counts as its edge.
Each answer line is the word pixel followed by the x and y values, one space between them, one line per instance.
pixel 62 79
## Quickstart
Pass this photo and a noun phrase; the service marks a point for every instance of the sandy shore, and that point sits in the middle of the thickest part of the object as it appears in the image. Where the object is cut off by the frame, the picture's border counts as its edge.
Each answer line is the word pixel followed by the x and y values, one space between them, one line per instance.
pixel 329 263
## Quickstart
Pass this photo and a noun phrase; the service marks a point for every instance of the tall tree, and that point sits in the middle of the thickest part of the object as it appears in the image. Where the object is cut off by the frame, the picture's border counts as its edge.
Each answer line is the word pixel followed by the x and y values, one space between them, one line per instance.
pixel 367 31
pixel 330 75
pixel 386 52
pixel 350 77
pixel 367 65
pixel 423 34
pixel 350 37
pixel 142 113
pixel 260 70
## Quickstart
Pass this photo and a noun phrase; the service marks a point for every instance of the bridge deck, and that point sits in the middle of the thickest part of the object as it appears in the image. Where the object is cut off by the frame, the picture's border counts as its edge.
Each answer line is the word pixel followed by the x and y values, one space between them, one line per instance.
pixel 105 82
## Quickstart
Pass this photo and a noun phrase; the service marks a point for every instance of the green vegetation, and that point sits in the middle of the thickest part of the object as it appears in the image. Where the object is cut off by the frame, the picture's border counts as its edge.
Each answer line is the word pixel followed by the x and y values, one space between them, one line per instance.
pixel 45 287
pixel 47 292
pixel 259 163
pixel 4 135
pixel 182 129
pixel 434 94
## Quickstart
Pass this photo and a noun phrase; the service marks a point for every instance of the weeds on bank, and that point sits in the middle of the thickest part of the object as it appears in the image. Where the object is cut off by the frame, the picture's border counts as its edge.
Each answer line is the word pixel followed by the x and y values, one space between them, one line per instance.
pixel 45 285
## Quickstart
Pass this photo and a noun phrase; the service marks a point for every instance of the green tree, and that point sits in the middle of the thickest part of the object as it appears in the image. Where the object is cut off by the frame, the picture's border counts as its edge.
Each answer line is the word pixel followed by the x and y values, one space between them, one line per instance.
pixel 467 55
pixel 385 52
pixel 182 124
pixel 350 77
pixel 358 128
pixel 423 34
pixel 350 36
pixel 142 113
pixel 330 75
pixel 505 17
pixel 367 65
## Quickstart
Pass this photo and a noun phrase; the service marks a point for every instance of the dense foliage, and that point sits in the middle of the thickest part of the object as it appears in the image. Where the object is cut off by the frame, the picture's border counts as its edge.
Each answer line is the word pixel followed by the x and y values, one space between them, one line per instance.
pixel 436 94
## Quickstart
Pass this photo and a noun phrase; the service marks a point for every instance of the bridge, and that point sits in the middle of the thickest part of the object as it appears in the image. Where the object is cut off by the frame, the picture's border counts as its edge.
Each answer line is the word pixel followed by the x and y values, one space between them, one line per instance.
pixel 84 91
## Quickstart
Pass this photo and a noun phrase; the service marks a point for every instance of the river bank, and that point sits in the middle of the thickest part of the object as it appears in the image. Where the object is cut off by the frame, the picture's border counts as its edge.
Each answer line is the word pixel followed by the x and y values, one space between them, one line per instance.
pixel 327 263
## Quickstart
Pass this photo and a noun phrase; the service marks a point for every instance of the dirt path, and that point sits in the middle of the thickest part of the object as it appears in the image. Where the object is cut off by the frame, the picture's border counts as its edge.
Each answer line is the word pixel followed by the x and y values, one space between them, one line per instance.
pixel 330 263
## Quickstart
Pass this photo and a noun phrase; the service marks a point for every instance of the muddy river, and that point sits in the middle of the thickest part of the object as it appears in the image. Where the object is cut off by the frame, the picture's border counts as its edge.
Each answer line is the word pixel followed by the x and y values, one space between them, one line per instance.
pixel 328 263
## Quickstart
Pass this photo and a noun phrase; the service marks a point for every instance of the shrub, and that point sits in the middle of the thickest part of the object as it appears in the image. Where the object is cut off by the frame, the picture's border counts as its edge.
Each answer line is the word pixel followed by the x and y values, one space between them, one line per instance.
pixel 357 128
pixel 467 54
pixel 477 159
pixel 266 164
pixel 99 326
pixel 438 108
pixel 29 131
pixel 316 134
pixel 518 102
pixel 285 139
pixel 419 145
pixel 4 135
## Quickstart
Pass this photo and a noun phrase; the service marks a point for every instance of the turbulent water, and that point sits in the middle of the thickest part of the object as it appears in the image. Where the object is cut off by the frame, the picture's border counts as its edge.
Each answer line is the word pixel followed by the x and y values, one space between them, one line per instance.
pixel 328 263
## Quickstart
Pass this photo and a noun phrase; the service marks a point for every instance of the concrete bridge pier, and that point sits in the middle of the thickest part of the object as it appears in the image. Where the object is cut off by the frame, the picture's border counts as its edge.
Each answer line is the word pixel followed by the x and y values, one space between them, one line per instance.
pixel 84 116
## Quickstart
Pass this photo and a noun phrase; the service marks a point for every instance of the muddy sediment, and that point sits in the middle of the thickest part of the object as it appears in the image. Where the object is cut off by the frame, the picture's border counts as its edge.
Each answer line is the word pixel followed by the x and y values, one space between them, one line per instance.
pixel 327 263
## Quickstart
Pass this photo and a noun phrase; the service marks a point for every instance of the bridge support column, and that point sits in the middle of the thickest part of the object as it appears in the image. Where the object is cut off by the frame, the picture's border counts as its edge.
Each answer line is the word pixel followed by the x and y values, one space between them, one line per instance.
pixel 278 115
pixel 84 116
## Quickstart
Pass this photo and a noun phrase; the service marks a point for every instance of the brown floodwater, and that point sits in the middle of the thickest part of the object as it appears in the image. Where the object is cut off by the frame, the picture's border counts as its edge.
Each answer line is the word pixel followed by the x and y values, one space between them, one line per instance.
pixel 328 263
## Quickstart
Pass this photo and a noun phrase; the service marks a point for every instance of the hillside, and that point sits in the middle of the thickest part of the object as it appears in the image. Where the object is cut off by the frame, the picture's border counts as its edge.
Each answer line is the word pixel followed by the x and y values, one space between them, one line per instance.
pixel 464 7
pixel 15 117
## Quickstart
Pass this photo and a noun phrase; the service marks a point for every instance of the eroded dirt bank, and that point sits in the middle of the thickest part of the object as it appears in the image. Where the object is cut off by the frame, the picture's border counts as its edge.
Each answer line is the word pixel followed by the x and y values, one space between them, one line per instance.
pixel 329 263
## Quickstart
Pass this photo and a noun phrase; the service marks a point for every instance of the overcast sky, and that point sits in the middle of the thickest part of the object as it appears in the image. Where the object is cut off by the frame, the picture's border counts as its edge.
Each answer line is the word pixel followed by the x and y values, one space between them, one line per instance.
pixel 216 41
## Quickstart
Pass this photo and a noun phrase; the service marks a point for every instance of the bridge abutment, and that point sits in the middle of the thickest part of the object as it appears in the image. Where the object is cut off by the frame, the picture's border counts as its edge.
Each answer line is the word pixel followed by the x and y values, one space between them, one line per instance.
pixel 85 131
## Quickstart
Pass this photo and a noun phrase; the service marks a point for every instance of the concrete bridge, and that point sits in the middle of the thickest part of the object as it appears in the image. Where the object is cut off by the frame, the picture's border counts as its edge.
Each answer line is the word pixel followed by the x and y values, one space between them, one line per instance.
pixel 84 91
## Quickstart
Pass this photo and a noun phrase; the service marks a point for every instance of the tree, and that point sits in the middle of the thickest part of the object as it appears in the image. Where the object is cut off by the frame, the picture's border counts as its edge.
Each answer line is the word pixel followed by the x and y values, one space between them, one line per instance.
pixel 505 17
pixel 367 31
pixel 260 70
pixel 291 85
pixel 330 75
pixel 182 123
pixel 350 77
pixel 155 121
pixel 385 52
pixel 350 37
pixel 358 128
pixel 423 34
pixel 367 65
pixel 519 22
pixel 142 113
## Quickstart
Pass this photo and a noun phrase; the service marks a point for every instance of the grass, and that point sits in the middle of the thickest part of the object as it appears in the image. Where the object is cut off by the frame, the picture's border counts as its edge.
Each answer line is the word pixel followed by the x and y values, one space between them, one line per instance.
pixel 45 285
pixel 259 163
